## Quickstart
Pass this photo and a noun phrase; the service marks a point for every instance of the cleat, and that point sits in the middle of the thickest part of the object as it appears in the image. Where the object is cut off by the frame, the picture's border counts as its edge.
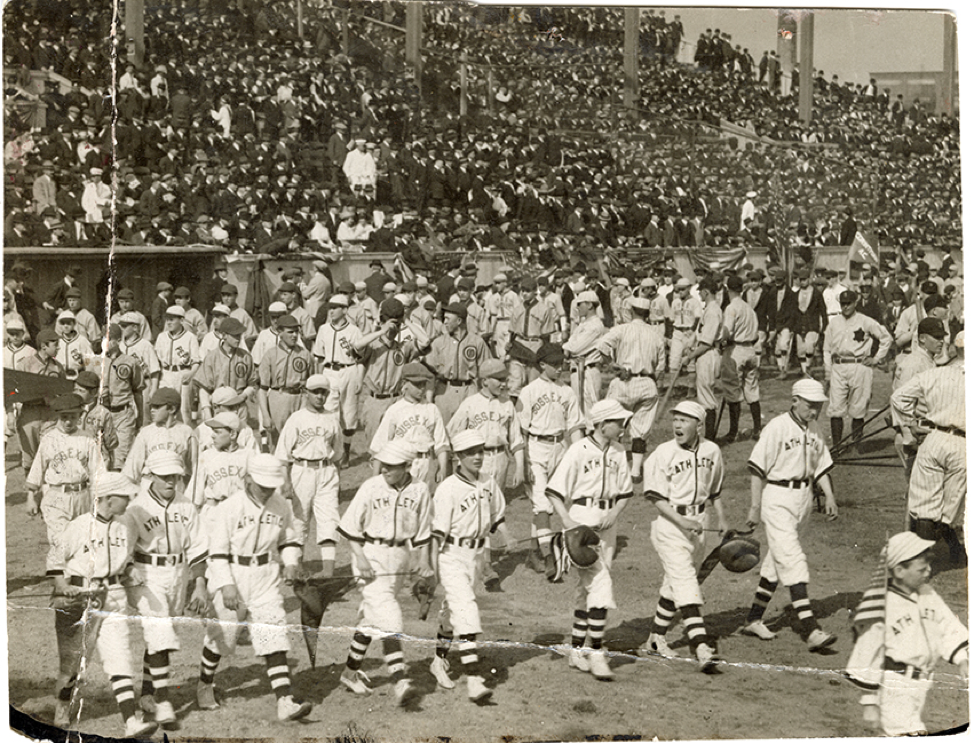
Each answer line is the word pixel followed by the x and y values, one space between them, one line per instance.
pixel 148 705
pixel 206 696
pixel 289 708
pixel 707 658
pixel 62 714
pixel 550 568
pixel 165 715
pixel 440 669
pixel 576 658
pixel 758 629
pixel 404 692
pixel 599 666
pixel 657 645
pixel 536 563
pixel 491 579
pixel 818 640
pixel 356 681
pixel 477 689
pixel 137 728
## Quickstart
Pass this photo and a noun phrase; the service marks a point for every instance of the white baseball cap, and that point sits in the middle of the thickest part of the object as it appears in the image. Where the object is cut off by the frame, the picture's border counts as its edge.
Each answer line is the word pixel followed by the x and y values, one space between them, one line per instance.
pixel 608 410
pixel 810 390
pixel 396 452
pixel 691 409
pixel 905 546
pixel 266 470
pixel 113 483
pixel 164 462
pixel 226 419
pixel 588 296
pixel 175 311
pixel 467 439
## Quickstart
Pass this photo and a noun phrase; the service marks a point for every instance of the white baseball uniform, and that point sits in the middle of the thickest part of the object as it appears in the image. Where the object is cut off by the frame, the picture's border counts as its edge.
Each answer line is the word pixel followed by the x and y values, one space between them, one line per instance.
pixel 847 343
pixel 421 425
pixel 740 364
pixel 708 365
pixel 582 346
pixel 640 349
pixel 177 355
pixel 496 419
pixel 336 357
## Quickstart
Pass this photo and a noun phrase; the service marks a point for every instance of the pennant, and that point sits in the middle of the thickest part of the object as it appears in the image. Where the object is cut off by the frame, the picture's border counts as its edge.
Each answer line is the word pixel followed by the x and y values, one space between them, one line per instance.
pixel 863 248
pixel 870 610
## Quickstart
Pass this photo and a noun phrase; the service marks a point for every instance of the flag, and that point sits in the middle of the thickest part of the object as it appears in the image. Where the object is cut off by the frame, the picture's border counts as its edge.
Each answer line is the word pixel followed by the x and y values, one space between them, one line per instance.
pixel 870 610
pixel 404 270
pixel 863 248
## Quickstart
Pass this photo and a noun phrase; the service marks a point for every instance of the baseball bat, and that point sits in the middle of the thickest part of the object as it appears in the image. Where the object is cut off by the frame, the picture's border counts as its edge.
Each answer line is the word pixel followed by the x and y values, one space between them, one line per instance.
pixel 581 374
pixel 671 386
pixel 718 420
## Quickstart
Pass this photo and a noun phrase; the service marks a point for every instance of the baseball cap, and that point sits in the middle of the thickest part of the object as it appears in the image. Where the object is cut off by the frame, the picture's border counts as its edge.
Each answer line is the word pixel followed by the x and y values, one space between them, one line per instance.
pixel 220 309
pixel 266 470
pixel 931 326
pixel 182 291
pixel 163 286
pixel 360 286
pixel 498 278
pixel 648 283
pixel 232 326
pixel 287 321
pixel 456 309
pixel 66 315
pixel 550 354
pixel 392 309
pixel 810 390
pixel 905 546
pixel 128 318
pixel 47 336
pixel 229 289
pixel 588 296
pixel 493 369
pixel 226 419
pixel 338 300
pixel 126 294
pixel 466 283
pixel 683 284
pixel 288 286
pixel 389 286
pixel 608 410
pixel 416 372
pixel 164 462
pixel 277 307
pixel 67 403
pixel 175 311
pixel 226 397
pixel 73 292
pixel 640 303
pixel 88 379
pixel 396 452
pixel 470 438
pixel 317 382
pixel 15 323
pixel 691 409
pixel 166 396
pixel 847 296
pixel 113 483
pixel 621 281
pixel 528 284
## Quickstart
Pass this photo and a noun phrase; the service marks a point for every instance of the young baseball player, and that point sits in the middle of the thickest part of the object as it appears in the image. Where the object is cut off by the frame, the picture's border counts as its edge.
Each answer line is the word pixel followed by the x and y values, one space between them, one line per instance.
pixel 581 348
pixel 893 659
pixel 74 350
pixel 740 362
pixel 228 365
pixel 549 413
pixel 222 465
pixel 124 383
pixel 95 418
pixel 418 422
pixel 683 478
pixel 308 447
pixel 456 357
pixel 283 369
pixel 466 509
pixel 164 432
pixel 786 462
pixel 253 546
pixel 389 518
pixel 169 553
pixel 92 558
pixel 706 356
pixel 228 400
pixel 591 486
pixel 178 353
pixel 140 348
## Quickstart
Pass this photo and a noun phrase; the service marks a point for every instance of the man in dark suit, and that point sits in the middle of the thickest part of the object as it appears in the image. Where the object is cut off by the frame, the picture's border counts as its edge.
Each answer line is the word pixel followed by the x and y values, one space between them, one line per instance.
pixel 376 281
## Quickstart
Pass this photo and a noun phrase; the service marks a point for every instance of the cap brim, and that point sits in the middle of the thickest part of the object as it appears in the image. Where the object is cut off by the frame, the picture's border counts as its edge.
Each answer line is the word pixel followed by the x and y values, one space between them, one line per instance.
pixel 168 470
pixel 268 481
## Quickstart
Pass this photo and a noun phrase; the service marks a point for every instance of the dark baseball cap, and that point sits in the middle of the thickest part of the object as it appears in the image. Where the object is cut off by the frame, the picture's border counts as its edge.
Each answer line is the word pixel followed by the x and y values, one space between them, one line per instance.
pixel 847 296
pixel 932 326
pixel 929 287
pixel 229 289
pixel 287 321
pixel 231 326
pixel 88 379
pixel 166 396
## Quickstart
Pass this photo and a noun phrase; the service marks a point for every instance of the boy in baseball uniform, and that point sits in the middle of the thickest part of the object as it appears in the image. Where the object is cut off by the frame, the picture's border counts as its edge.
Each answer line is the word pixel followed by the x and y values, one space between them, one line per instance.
pixel 389 519
pixel 549 413
pixel 786 462
pixel 283 369
pixel 164 431
pixel 228 400
pixel 170 552
pixel 92 558
pixel 178 352
pixel 683 478
pixel 896 650
pixel 466 509
pixel 253 547
pixel 222 465
pixel 591 486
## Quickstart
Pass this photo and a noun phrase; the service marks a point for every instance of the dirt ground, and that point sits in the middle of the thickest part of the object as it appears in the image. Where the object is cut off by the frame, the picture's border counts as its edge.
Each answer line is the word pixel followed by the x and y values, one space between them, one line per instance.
pixel 764 690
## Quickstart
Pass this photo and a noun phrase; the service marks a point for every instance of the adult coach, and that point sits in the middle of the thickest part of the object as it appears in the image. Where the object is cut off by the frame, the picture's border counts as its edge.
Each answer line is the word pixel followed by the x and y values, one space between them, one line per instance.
pixel 706 352
pixel 740 362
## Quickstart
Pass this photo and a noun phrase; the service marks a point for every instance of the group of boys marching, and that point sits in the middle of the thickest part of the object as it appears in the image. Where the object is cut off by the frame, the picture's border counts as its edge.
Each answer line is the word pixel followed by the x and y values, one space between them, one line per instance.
pixel 461 394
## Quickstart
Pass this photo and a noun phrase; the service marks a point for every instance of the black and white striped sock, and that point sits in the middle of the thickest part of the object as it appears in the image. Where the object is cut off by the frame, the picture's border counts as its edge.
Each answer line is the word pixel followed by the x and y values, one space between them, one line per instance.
pixel 356 653
pixel 394 657
pixel 596 620
pixel 664 614
pixel 694 625
pixel 578 633
pixel 442 643
pixel 124 691
pixel 207 669
pixel 468 655
pixel 279 674
pixel 764 594
pixel 159 667
pixel 801 605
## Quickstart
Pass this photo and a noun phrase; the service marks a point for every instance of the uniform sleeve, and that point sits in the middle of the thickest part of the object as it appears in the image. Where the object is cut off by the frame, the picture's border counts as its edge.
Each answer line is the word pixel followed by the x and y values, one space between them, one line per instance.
pixel 759 461
pixel 573 416
pixel 497 506
pixel 718 474
pixel 193 348
pixel 824 464
pixel 252 380
pixel 423 532
pixel 265 371
pixel 440 442
pixel 204 376
pixel 382 432
pixel 561 485
pixel 318 348
pixel 36 475
pixel 904 401
pixel 657 483
pixel 286 442
pixel 515 434
pixel 865 665
pixel 352 522
pixel 624 485
pixel 152 360
pixel 198 538
pixel 289 542
pixel 609 343
pixel 883 336
pixel 953 640
pixel 442 504
pixel 136 458
pixel 460 419
pixel 526 409
pixel 66 546
pixel 219 545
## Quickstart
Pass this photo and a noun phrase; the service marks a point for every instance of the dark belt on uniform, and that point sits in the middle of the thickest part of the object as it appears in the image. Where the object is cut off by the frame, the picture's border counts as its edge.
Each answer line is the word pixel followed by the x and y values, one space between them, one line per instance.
pixel 690 510
pixel 72 487
pixel 906 670
pixel 494 448
pixel 603 504
pixel 247 560
pixel 547 439
pixel 944 429
pixel 848 360
pixel 741 343
pixel 313 463
pixel 111 580
pixel 287 390
pixel 118 408
pixel 466 541
pixel 159 559
pixel 378 396
pixel 648 375
pixel 788 483
pixel 424 454
pixel 176 367
pixel 386 542
pixel 336 365
pixel 458 382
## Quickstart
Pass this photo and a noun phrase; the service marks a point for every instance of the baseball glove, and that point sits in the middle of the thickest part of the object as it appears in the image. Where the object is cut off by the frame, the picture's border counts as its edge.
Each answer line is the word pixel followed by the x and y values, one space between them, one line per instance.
pixel 423 589
pixel 739 553
pixel 577 546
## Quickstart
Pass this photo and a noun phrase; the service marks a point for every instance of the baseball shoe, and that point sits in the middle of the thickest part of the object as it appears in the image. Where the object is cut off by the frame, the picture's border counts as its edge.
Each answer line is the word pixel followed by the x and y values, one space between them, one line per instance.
pixel 356 681
pixel 289 708
pixel 440 669
pixel 707 658
pixel 550 568
pixel 818 640
pixel 758 629
pixel 535 562
pixel 148 705
pixel 477 690
pixel 62 714
pixel 657 645
pixel 404 692
pixel 138 728
pixel 206 696
pixel 576 658
pixel 599 666
pixel 491 579
pixel 165 715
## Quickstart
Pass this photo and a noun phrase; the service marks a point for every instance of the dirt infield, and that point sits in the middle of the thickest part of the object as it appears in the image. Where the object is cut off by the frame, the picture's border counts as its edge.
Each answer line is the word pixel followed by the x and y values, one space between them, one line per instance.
pixel 765 689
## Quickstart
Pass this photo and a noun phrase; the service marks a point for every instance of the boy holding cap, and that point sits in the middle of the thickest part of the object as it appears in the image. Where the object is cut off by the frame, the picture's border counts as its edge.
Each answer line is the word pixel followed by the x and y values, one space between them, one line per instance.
pixel 283 370
pixel 164 432
pixel 178 352
pixel 388 520
pixel 308 448
pixel 786 462
pixel 894 668
pixel 169 551
pixel 591 487
pixel 91 561
pixel 95 417
pixel 253 547
pixel 73 350
pixel 467 507
pixel 683 478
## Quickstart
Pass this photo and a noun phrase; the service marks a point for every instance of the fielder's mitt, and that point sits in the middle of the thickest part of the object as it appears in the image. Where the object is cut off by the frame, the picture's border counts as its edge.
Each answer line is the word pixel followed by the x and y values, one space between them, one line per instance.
pixel 423 589
pixel 575 546
pixel 739 553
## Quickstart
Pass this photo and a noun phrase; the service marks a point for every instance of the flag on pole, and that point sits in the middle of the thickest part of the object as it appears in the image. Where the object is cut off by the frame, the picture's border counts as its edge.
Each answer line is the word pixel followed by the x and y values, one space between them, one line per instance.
pixel 864 248
pixel 870 610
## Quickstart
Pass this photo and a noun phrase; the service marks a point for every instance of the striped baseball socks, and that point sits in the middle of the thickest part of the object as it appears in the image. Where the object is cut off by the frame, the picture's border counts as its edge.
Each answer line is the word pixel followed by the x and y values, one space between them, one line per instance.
pixel 442 643
pixel 157 679
pixel 468 655
pixel 764 594
pixel 207 668
pixel 394 657
pixel 664 614
pixel 356 653
pixel 278 673
pixel 124 691
pixel 578 633
pixel 596 621
pixel 801 605
pixel 694 625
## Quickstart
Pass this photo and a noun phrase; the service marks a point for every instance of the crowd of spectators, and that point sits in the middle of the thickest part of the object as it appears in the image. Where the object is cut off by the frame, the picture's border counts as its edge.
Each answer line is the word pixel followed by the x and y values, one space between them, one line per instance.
pixel 237 132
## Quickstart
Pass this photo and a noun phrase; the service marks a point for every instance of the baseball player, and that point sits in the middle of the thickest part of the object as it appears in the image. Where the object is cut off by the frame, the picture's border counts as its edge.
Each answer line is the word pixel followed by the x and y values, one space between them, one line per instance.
pixel 228 295
pixel 389 519
pixel 499 310
pixel 86 323
pixel 683 478
pixel 411 418
pixel 338 360
pixel 706 353
pixel 141 348
pixel 169 553
pixel 92 558
pixel 126 306
pixel 74 349
pixel 782 319
pixel 810 319
pixel 210 341
pixel 532 323
pixel 228 365
pixel 228 400
pixel 16 352
pixel 467 507
pixel 124 384
pixel 178 352
pixel 269 336
pixel 253 545
pixel 894 657
pixel 456 356
pixel 308 447
pixel 686 315
pixel 283 369
pixel 34 415
pixel 936 492
pixel 288 293
pixel 638 350
pixel 61 472
pixel 164 431
pixel 222 464
pixel 363 311
pixel 591 486
pixel 740 359
pixel 848 362
pixel 785 463
pixel 581 349
pixel 549 414
pixel 476 319
pixel 95 418
pixel 194 321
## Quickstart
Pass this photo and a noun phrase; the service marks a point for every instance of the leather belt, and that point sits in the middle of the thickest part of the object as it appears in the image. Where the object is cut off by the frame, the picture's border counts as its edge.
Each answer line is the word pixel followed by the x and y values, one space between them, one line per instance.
pixel 111 580
pixel 465 541
pixel 741 343
pixel 458 382
pixel 656 322
pixel 906 670
pixel 386 542
pixel 336 365
pixel 690 510
pixel 683 328
pixel 176 367
pixel 548 439
pixel 944 429
pixel 382 397
pixel 847 360
pixel 287 390
pixel 118 408
pixel 788 483
pixel 603 504
pixel 494 448
pixel 72 487
pixel 159 559
pixel 649 375
pixel 247 560
pixel 424 454
pixel 315 464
